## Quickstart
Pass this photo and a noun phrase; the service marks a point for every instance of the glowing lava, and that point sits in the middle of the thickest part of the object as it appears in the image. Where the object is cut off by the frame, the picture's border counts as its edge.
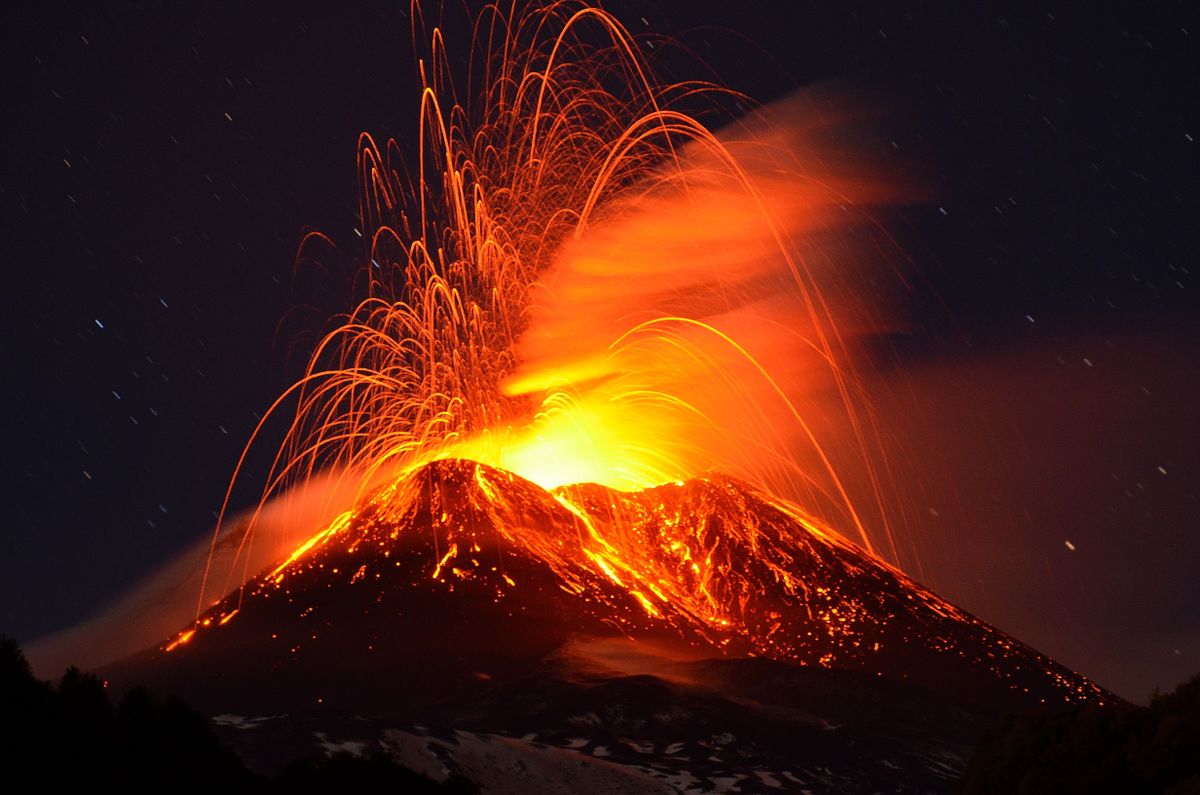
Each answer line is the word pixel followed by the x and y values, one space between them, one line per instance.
pixel 583 283
pixel 460 573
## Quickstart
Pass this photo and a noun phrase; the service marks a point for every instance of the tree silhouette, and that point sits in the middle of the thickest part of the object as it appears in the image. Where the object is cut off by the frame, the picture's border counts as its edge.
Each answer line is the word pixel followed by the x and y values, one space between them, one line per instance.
pixel 1118 748
pixel 69 735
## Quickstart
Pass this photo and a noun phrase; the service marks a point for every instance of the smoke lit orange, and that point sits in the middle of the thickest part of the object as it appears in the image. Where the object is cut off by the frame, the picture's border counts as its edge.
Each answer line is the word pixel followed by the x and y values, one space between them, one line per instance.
pixel 592 276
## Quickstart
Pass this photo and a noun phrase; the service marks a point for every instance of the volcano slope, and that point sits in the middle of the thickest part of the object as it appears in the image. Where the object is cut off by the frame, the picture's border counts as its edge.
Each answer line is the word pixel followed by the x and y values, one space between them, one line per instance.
pixel 464 597
pixel 459 575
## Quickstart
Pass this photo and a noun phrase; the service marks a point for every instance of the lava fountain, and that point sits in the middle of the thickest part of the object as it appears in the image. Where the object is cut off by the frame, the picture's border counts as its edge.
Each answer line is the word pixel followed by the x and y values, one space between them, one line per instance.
pixel 583 282
pixel 606 292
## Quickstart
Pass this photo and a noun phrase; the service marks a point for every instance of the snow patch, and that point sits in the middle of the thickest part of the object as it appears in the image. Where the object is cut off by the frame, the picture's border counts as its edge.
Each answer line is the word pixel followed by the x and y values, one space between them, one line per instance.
pixel 241 721
pixel 331 747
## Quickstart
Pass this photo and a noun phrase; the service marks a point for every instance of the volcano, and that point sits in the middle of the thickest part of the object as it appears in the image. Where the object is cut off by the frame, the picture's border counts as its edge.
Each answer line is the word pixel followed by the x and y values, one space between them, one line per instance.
pixel 458 577
pixel 698 632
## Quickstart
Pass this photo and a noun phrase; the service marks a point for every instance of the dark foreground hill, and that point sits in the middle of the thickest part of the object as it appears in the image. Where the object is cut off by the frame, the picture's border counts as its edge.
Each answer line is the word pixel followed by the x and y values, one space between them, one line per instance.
pixel 723 725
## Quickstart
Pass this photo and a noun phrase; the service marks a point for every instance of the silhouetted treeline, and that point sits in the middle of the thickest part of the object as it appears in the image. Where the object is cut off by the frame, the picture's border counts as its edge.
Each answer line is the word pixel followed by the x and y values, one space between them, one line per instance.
pixel 1120 748
pixel 70 734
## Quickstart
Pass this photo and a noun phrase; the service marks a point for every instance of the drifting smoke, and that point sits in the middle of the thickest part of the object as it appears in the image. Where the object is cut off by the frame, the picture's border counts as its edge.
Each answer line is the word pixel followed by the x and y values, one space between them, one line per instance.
pixel 708 318
pixel 166 599
pixel 587 284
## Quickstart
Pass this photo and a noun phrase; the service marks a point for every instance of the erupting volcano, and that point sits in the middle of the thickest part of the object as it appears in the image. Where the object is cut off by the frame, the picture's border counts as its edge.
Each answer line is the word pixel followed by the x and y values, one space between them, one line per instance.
pixel 604 392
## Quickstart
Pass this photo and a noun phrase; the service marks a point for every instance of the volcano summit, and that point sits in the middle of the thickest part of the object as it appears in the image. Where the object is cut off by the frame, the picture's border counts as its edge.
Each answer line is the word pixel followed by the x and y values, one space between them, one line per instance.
pixel 459 576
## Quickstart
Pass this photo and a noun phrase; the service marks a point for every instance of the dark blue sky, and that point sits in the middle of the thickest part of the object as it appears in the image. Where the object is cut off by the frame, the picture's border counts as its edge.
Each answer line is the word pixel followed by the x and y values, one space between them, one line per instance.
pixel 160 165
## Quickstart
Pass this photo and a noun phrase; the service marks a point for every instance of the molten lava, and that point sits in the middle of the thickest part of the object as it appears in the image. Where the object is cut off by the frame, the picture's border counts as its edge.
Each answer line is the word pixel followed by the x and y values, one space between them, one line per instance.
pixel 639 327
pixel 460 574
pixel 585 283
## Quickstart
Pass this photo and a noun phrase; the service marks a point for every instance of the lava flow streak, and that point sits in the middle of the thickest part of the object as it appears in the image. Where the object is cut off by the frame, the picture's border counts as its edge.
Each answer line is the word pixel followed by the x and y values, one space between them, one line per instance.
pixel 582 282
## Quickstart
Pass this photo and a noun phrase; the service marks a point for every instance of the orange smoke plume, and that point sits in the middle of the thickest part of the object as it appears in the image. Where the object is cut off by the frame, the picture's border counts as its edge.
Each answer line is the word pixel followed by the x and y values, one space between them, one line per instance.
pixel 583 282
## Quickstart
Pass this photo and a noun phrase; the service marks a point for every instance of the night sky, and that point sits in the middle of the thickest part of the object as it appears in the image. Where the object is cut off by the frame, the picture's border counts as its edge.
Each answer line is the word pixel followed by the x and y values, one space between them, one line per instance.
pixel 159 166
